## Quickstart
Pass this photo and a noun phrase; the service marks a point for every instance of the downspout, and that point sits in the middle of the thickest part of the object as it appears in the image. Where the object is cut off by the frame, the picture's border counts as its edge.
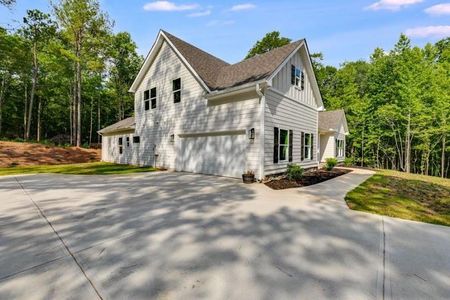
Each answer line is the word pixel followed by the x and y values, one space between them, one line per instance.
pixel 262 105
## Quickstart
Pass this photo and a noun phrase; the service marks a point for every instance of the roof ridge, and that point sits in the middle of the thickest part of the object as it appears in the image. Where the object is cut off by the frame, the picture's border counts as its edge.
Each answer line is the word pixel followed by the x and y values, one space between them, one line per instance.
pixel 269 52
pixel 171 36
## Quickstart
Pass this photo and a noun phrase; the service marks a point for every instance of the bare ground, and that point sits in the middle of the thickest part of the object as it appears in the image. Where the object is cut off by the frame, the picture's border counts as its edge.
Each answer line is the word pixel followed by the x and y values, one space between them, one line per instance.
pixel 29 154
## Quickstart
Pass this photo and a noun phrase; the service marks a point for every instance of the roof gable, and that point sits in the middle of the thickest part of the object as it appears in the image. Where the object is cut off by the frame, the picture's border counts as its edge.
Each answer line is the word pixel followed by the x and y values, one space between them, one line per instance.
pixel 215 74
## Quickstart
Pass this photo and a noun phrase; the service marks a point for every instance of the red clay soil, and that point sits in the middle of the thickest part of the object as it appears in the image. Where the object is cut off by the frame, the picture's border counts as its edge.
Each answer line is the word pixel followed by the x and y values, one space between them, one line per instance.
pixel 29 154
pixel 309 178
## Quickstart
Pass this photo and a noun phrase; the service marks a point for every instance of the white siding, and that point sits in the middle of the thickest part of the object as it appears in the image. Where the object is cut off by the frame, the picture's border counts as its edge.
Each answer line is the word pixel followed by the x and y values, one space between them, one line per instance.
pixel 110 149
pixel 194 114
pixel 290 114
pixel 289 107
pixel 282 81
pixel 327 146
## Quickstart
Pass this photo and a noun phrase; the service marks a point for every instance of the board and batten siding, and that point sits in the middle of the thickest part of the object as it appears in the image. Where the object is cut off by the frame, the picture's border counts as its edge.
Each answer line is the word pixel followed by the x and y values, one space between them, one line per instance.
pixel 194 114
pixel 289 107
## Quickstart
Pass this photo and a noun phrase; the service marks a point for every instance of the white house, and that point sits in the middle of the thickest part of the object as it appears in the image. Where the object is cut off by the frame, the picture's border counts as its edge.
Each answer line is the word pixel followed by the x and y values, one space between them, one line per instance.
pixel 195 112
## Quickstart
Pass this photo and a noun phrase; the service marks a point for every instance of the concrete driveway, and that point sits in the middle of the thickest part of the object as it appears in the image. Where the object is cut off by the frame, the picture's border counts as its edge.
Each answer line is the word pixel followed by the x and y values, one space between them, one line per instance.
pixel 184 236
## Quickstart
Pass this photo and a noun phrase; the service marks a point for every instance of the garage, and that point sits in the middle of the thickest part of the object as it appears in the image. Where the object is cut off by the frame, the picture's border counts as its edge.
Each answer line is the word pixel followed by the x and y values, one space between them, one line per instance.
pixel 213 153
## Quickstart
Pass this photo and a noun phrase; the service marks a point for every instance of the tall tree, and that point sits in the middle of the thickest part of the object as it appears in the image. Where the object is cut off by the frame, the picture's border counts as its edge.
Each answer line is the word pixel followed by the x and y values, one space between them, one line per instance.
pixel 124 65
pixel 38 28
pixel 269 42
pixel 84 26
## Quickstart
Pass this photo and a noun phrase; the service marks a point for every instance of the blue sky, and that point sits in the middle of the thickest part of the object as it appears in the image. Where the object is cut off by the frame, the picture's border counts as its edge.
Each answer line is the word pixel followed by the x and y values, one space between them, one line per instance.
pixel 341 30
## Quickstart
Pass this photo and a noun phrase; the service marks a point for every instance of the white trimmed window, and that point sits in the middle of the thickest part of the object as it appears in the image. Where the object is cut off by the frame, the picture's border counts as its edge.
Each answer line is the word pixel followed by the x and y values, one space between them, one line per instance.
pixel 284 145
pixel 308 145
pixel 340 148
pixel 153 97
pixel 176 89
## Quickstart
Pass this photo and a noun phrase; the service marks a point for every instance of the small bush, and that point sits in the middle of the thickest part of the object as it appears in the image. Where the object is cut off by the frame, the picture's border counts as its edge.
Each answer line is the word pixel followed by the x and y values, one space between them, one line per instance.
pixel 348 161
pixel 330 163
pixel 294 172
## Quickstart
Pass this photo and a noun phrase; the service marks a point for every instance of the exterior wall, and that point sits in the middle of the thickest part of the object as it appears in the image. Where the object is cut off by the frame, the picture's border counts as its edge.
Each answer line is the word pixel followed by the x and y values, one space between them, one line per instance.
pixel 194 114
pixel 110 149
pixel 288 107
pixel 286 113
pixel 327 146
pixel 282 82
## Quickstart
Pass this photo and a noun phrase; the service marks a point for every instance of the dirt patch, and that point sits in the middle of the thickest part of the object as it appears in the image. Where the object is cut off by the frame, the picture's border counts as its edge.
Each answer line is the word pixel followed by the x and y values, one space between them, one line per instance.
pixel 14 154
pixel 309 178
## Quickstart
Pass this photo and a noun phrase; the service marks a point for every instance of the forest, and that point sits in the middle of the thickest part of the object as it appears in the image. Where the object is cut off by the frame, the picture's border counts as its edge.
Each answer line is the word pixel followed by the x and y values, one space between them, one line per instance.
pixel 65 75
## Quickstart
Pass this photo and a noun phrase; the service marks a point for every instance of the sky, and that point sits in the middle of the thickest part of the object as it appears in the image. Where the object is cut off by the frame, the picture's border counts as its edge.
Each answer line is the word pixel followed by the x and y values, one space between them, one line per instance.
pixel 341 30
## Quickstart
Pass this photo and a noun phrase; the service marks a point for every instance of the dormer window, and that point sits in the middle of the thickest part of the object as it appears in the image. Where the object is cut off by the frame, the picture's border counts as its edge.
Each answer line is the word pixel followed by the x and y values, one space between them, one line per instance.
pixel 297 77
pixel 176 89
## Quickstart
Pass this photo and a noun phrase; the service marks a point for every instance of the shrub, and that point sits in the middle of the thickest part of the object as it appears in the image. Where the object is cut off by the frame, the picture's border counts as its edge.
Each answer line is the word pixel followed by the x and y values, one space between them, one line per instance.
pixel 330 163
pixel 294 172
pixel 348 161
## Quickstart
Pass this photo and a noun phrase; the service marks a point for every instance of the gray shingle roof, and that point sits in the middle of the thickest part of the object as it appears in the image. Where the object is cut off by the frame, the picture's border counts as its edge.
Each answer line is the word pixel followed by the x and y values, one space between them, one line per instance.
pixel 330 120
pixel 218 75
pixel 123 125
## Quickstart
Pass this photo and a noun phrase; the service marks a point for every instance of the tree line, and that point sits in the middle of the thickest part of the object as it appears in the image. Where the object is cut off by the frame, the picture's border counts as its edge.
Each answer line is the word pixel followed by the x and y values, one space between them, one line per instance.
pixel 397 106
pixel 64 75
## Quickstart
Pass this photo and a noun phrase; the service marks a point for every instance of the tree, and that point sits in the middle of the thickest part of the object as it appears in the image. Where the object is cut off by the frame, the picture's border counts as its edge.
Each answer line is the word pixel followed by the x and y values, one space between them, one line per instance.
pixel 269 42
pixel 38 28
pixel 125 63
pixel 7 3
pixel 85 27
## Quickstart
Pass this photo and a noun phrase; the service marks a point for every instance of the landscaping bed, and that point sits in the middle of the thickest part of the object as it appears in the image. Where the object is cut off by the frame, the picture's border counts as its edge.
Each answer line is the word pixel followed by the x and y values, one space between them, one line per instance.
pixel 308 178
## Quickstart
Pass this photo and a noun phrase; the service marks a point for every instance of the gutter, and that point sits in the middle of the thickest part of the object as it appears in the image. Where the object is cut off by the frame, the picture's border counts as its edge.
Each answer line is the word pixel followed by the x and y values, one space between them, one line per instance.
pixel 248 87
pixel 262 106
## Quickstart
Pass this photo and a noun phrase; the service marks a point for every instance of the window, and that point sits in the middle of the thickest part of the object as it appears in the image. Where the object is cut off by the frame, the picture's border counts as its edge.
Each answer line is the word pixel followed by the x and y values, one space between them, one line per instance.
pixel 147 100
pixel 282 145
pixel 128 141
pixel 136 139
pixel 297 77
pixel 176 89
pixel 340 148
pixel 153 97
pixel 120 145
pixel 308 146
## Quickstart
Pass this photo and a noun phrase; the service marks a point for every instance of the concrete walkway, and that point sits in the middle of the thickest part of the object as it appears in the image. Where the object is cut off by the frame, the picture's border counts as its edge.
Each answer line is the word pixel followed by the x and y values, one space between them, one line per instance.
pixel 184 236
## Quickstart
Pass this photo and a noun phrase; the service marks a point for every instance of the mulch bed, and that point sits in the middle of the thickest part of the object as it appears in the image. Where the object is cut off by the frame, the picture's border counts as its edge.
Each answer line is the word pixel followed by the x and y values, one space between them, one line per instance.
pixel 309 178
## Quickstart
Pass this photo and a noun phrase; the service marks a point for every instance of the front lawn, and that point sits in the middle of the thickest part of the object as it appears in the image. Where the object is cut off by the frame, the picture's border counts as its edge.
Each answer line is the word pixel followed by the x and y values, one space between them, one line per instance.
pixel 97 168
pixel 402 195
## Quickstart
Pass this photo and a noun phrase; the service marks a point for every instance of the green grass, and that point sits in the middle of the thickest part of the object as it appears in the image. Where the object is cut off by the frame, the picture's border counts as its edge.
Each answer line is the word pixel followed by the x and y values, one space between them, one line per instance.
pixel 402 195
pixel 97 168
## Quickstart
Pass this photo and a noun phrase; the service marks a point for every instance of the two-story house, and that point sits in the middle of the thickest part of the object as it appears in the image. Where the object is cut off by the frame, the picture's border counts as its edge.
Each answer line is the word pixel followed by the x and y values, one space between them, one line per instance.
pixel 195 112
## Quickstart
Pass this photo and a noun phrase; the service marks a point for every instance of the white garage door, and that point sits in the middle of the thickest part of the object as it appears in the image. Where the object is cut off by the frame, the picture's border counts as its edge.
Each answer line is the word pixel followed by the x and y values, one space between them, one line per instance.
pixel 215 154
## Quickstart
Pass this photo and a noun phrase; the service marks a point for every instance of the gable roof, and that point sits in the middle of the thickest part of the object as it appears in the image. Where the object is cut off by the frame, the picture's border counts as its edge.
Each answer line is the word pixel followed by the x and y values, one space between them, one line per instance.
pixel 332 120
pixel 215 73
pixel 123 125
pixel 205 64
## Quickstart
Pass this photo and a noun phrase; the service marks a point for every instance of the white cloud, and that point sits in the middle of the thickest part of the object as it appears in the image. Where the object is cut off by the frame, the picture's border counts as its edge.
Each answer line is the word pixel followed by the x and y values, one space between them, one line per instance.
pixel 220 23
pixel 200 13
pixel 429 31
pixel 392 4
pixel 168 6
pixel 243 6
pixel 439 9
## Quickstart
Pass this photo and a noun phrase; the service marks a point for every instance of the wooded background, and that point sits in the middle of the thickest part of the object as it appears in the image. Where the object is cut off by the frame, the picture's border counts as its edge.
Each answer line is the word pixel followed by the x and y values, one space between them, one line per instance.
pixel 65 75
